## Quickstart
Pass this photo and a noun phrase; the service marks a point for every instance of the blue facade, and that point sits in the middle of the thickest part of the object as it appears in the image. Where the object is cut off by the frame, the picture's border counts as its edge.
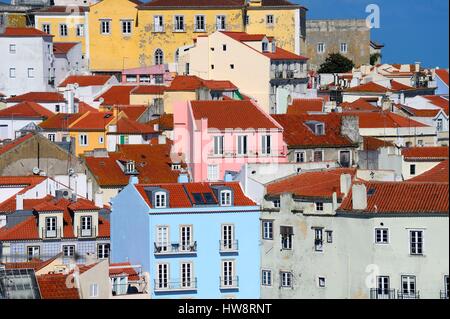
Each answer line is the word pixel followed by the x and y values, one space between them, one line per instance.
pixel 134 237
pixel 442 87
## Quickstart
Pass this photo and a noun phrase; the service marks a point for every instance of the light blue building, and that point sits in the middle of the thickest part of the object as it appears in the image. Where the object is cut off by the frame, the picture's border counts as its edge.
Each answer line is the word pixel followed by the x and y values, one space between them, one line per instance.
pixel 441 82
pixel 196 240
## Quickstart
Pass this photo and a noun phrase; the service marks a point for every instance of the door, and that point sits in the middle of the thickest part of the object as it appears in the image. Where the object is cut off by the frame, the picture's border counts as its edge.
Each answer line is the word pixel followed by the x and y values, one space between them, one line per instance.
pixel 163 276
pixel 383 287
pixel 409 287
pixel 227 273
pixel 162 240
pixel 86 226
pixel 344 158
pixel 50 224
pixel 186 275
pixel 186 238
pixel 227 237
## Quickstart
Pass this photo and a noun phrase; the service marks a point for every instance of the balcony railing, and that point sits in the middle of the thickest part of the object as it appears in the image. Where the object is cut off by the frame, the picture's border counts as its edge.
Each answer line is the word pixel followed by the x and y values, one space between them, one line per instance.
pixel 175 285
pixel 249 153
pixel 228 246
pixel 376 293
pixel 408 295
pixel 87 233
pixel 444 294
pixel 175 248
pixel 229 282
pixel 51 234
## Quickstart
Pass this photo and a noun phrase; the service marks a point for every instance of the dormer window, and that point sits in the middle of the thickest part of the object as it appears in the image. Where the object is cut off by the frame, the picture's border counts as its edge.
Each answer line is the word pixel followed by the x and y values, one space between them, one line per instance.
pixel 130 167
pixel 320 129
pixel 86 226
pixel 160 200
pixel 225 198
pixel 50 227
pixel 265 46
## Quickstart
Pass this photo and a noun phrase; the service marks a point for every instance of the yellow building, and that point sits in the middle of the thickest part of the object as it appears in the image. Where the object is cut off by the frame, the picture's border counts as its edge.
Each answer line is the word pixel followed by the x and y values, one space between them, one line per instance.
pixel 126 34
pixel 66 24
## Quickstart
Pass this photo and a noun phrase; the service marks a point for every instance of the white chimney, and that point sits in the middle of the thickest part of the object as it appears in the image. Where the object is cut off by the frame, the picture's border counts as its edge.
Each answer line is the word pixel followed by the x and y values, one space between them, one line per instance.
pixel 70 100
pixel 19 202
pixel 99 199
pixel 156 127
pixel 359 197
pixel 346 181
pixel 162 139
pixel 417 66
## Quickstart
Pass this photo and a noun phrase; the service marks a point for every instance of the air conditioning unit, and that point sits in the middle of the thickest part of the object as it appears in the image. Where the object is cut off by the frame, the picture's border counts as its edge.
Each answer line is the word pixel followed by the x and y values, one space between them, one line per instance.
pixel 63 193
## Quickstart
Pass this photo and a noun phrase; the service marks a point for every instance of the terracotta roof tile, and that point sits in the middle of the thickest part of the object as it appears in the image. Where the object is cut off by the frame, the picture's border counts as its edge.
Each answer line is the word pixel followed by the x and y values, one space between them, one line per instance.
pixel 373 87
pixel 23 32
pixel 84 107
pixel 165 122
pixel 192 3
pixel 321 184
pixel 302 106
pixel 133 112
pixel 443 75
pixel 128 126
pixel 86 80
pixel 383 119
pixel 418 112
pixel 92 121
pixel 437 100
pixel 63 9
pixel 438 174
pixel 149 89
pixel 27 110
pixel 63 47
pixel 403 197
pixel 116 95
pixel 359 105
pixel 54 286
pixel 232 114
pixel 121 269
pixel 425 153
pixel 373 144
pixel 15 143
pixel 39 97
pixel 60 121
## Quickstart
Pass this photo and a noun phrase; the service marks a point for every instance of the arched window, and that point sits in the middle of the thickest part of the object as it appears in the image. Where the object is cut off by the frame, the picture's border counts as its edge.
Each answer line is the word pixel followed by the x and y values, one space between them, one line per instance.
pixel 159 56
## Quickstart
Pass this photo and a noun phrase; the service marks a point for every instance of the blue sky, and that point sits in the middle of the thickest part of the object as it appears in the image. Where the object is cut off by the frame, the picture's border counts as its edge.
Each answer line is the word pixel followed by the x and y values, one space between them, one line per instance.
pixel 412 30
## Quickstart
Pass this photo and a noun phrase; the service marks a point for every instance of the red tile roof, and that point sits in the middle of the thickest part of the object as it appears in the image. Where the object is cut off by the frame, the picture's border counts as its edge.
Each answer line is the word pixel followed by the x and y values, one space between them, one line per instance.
pixel 320 184
pixel 443 75
pixel 358 105
pixel 133 112
pixel 84 107
pixel 35 264
pixel 192 83
pixel 219 85
pixel 149 89
pixel 62 9
pixel 23 32
pixel 122 269
pixel 180 195
pixel 54 286
pixel 282 54
pixel 86 80
pixel 372 87
pixel 27 110
pixel 21 180
pixel 418 112
pixel 9 205
pixel 14 143
pixel 116 95
pixel 425 153
pixel 63 47
pixel 232 114
pixel 192 3
pixel 92 121
pixel 383 119
pixel 298 135
pixel 403 197
pixel 437 100
pixel 39 97
pixel 128 126
pixel 438 174
pixel 302 106
pixel 373 144
pixel 165 122
pixel 60 121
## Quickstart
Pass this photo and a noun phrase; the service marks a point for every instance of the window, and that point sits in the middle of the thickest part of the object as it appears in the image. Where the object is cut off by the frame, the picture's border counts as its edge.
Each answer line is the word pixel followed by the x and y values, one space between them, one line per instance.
pixel 319 206
pixel 287 234
pixel 267 229
pixel 228 242
pixel 12 48
pixel 126 27
pixel 266 277
pixel 439 125
pixel 225 198
pixel 105 26
pixel 221 23
pixel 381 235
pixel 412 169
pixel 446 287
pixel 186 69
pixel 33 252
pixel 101 139
pixel 86 226
pixel 247 20
pixel 199 23
pixel 320 47
pixel 232 66
pixel 218 145
pixel 383 287
pixel 179 24
pixel 318 156
pixel 408 286
pixel 50 227
pixel 242 144
pixel 228 268
pixel 224 47
pixel 286 279
pixel 212 66
pixel 93 291
pixel 329 236
pixel 343 47
pixel 68 250
pixel 269 19
pixel 416 242
pixel 186 275
pixel 160 200
pixel 46 28
pixel 83 140
pixel 159 56
pixel 162 238
pixel 80 30
pixel 30 73
pixel 300 157
pixel 265 145
pixel 318 239
pixel 103 251
pixel 51 137
pixel 158 24
pixel 57 108
pixel 162 276
pixel 186 240
pixel 63 30
pixel 119 285
pixel 12 73
pixel 213 172
pixel 321 281
pixel 277 203
pixel 265 46
pixel 320 129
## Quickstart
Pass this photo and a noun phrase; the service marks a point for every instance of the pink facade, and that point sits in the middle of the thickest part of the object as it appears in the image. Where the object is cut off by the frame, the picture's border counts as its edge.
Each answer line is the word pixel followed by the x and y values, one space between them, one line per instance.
pixel 197 142
pixel 148 75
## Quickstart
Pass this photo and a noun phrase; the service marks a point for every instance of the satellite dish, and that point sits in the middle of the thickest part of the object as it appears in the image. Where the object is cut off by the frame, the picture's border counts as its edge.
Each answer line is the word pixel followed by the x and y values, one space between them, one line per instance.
pixel 76 85
pixel 101 100
pixel 71 171
pixel 36 170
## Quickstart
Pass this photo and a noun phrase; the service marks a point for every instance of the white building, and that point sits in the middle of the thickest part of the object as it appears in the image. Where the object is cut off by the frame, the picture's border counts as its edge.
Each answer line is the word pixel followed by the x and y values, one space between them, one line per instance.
pixel 27 61
pixel 68 60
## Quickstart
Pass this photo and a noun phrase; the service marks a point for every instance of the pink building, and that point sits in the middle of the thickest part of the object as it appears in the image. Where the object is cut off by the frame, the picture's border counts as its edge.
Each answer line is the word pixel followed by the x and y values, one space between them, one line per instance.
pixel 214 137
pixel 155 74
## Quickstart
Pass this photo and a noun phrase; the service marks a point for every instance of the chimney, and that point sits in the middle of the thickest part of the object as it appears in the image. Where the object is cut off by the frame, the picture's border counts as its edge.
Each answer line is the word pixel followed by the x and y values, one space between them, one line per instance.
pixel 70 100
pixel 228 177
pixel 161 139
pixel 99 199
pixel 417 67
pixel 359 197
pixel 402 98
pixel 346 181
pixel 19 202
pixel 386 104
pixel 156 127
pixel 133 180
pixel 350 128
pixel 183 178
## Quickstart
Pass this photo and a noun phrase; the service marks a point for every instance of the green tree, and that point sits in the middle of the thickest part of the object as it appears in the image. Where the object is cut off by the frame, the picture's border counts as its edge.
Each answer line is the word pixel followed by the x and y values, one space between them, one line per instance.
pixel 374 58
pixel 336 63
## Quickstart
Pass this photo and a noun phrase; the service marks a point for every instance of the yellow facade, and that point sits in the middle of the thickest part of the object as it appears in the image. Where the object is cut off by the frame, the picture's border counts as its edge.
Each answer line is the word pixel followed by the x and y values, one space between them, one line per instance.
pixel 72 21
pixel 18 20
pixel 93 141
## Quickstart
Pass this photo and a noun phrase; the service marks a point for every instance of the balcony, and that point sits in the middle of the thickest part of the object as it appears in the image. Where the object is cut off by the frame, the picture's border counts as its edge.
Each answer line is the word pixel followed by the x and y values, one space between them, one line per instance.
pixel 376 293
pixel 228 246
pixel 229 283
pixel 51 234
pixel 444 294
pixel 175 285
pixel 408 295
pixel 249 153
pixel 87 232
pixel 175 249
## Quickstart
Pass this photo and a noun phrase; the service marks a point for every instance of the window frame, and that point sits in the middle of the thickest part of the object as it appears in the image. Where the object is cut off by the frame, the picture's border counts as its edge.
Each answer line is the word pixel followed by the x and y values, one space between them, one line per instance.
pixel 181 20
pixel 79 27
pixel 105 26
pixel 270 20
pixel 63 26
pixel 45 26
pixel 70 254
pixel 213 168
pixel 160 28
pixel 320 48
pixel 267 232
pixel 286 280
pixel 416 245
pixel 226 197
pixel 343 45
pixel 382 230
pixel 12 48
pixel 266 278
pixel 126 26
pixel 105 250
pixel 222 23
pixel 287 239
pixel 160 199
pixel 198 19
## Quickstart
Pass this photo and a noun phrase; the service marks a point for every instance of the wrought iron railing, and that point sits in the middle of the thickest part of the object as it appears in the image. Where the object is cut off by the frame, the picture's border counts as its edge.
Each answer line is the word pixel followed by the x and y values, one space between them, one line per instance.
pixel 175 285
pixel 377 293
pixel 175 248
pixel 408 295
pixel 229 282
pixel 228 246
